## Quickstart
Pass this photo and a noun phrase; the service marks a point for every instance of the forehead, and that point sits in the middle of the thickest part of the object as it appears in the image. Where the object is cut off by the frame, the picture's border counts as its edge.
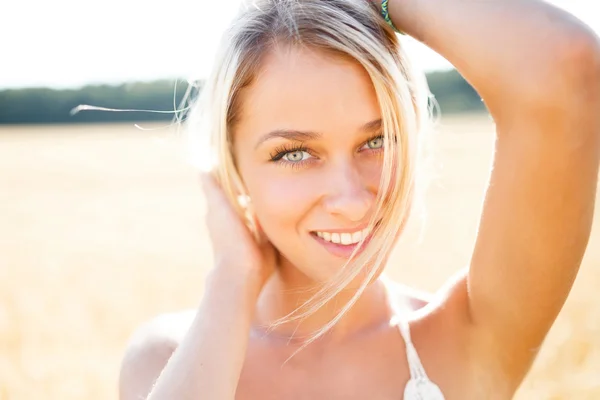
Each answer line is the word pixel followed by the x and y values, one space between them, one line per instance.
pixel 304 89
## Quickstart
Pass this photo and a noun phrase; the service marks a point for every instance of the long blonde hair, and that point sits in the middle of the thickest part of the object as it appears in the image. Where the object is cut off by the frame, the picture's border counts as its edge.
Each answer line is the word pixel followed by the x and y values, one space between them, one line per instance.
pixel 351 29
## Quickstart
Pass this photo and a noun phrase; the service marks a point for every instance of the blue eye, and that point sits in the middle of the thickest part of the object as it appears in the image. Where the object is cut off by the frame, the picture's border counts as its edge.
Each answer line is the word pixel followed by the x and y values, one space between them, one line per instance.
pixel 296 156
pixel 374 144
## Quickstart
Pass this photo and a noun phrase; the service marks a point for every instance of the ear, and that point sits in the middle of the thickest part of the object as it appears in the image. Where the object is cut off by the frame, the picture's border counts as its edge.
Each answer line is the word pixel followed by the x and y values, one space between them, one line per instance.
pixel 249 216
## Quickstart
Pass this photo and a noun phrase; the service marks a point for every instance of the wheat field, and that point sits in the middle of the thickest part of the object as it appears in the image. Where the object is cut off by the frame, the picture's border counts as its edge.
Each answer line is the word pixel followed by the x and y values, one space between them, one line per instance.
pixel 101 228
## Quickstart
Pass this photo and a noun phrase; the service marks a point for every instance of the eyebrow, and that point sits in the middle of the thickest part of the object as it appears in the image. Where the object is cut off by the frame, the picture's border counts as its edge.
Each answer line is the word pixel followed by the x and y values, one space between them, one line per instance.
pixel 303 136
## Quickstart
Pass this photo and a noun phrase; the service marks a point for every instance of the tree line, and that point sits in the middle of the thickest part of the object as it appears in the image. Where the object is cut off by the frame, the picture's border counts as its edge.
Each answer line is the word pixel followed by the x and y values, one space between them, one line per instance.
pixel 54 106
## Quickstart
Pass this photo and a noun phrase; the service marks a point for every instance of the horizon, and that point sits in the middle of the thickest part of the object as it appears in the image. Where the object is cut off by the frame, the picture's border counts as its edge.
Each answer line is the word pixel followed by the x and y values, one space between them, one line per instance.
pixel 80 46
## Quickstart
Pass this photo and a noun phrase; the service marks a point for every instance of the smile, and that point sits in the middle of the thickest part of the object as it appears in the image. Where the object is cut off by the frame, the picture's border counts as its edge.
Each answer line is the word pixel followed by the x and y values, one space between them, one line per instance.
pixel 346 238
pixel 343 244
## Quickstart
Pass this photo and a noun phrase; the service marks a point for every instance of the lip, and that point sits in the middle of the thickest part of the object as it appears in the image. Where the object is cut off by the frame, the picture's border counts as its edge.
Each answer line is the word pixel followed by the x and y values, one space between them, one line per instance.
pixel 351 230
pixel 341 250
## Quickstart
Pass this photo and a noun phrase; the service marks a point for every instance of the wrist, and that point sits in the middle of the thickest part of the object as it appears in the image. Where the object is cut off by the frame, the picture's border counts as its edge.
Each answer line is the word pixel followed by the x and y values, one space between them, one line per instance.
pixel 383 7
pixel 407 15
pixel 240 283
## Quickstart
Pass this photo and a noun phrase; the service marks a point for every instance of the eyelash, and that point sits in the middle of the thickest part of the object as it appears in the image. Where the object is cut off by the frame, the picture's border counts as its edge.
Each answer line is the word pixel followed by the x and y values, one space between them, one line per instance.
pixel 280 152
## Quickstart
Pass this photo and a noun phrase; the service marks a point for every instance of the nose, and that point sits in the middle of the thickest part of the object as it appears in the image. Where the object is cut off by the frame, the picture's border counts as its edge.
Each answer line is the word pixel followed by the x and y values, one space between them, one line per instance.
pixel 349 194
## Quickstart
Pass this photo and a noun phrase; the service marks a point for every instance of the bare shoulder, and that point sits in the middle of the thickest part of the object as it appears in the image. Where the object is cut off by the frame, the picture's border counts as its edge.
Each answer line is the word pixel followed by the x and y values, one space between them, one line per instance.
pixel 447 306
pixel 149 350
pixel 409 298
pixel 406 298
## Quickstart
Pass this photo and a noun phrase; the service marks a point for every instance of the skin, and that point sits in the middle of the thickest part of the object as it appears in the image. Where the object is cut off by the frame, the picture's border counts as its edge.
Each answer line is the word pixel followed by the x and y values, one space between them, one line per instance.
pixel 333 187
pixel 533 232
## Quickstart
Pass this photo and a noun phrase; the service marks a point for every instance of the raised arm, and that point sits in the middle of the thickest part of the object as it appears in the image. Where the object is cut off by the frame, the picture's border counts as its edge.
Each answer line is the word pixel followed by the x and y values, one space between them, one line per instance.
pixel 505 48
pixel 538 70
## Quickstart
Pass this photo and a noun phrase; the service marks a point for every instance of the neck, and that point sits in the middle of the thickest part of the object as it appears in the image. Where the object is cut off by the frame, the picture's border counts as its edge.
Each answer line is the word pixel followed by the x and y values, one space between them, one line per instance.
pixel 289 288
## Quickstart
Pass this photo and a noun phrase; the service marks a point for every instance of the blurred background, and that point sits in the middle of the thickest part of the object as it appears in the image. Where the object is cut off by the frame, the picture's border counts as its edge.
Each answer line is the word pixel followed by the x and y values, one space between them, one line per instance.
pixel 101 216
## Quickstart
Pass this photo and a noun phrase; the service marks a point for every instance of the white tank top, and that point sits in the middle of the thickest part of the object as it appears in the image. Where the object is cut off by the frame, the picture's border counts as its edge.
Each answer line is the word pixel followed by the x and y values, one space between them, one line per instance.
pixel 419 387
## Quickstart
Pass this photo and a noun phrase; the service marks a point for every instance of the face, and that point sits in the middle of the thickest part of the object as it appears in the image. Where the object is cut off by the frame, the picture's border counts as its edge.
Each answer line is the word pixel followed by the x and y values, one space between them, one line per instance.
pixel 309 149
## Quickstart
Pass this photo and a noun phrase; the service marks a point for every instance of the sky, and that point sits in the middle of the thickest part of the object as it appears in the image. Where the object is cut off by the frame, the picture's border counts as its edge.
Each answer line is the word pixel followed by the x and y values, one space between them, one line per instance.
pixel 68 43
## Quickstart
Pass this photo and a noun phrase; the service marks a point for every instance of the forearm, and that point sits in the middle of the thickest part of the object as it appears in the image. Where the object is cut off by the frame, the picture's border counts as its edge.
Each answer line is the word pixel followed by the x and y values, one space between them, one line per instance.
pixel 507 49
pixel 208 362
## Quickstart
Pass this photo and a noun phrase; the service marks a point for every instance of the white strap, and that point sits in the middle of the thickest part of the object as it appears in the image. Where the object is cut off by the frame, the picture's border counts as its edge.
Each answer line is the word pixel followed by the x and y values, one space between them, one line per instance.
pixel 419 387
pixel 401 319
pixel 414 362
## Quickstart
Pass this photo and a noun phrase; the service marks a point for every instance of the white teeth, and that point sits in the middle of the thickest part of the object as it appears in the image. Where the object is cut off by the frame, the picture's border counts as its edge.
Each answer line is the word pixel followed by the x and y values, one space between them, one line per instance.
pixel 344 238
pixel 335 238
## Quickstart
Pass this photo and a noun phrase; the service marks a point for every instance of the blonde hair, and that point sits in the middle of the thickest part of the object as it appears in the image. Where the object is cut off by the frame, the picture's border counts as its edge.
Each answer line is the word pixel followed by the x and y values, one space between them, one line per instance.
pixel 346 28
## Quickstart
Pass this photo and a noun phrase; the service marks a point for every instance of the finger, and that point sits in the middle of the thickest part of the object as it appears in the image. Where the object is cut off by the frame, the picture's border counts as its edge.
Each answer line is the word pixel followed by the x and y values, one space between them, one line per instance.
pixel 212 191
pixel 219 210
pixel 208 183
pixel 215 200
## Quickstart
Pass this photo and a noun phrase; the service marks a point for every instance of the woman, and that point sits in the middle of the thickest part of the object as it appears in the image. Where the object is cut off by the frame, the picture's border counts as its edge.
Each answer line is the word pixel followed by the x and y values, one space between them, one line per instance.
pixel 314 116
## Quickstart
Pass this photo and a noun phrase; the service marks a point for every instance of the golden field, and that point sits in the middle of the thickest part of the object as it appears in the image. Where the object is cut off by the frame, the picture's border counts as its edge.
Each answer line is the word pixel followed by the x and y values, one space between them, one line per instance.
pixel 101 228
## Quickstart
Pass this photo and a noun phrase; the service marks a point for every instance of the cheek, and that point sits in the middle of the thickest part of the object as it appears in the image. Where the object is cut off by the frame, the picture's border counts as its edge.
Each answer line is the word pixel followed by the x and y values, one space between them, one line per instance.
pixel 280 199
pixel 371 167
